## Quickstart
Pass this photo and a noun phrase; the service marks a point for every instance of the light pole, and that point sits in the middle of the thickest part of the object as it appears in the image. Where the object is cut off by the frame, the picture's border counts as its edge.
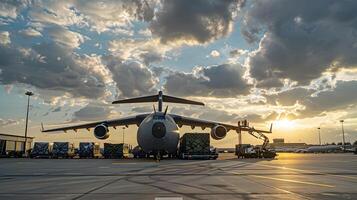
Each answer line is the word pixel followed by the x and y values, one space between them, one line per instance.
pixel 123 134
pixel 343 135
pixel 319 128
pixel 29 94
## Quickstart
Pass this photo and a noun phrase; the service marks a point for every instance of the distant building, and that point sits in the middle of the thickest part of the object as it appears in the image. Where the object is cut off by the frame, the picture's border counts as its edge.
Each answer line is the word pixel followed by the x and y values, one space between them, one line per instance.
pixel 278 141
pixel 13 145
pixel 280 145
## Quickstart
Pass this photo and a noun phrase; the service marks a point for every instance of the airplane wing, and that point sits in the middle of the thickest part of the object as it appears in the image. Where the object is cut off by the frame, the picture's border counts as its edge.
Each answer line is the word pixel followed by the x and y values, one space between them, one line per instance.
pixel 111 123
pixel 182 120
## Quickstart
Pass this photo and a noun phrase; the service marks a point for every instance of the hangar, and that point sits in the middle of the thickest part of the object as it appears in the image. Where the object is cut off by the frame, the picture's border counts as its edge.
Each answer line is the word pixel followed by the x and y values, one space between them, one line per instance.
pixel 13 145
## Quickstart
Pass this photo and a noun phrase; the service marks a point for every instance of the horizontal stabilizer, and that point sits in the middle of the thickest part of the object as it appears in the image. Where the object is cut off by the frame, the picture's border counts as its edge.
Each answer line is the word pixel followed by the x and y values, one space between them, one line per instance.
pixel 153 98
pixel 172 99
pixel 159 97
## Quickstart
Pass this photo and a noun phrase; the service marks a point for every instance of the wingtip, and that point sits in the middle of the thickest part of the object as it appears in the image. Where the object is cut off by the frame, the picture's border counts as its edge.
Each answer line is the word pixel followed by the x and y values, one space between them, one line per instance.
pixel 42 129
pixel 271 128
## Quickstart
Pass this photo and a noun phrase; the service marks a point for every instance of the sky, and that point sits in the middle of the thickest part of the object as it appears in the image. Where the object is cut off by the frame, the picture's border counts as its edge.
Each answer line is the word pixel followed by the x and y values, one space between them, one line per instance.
pixel 290 63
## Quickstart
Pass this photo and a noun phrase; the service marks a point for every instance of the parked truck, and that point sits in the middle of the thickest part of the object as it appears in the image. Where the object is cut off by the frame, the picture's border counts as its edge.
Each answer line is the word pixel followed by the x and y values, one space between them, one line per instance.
pixel 138 152
pixel 250 151
pixel 63 150
pixel 196 146
pixel 41 150
pixel 116 150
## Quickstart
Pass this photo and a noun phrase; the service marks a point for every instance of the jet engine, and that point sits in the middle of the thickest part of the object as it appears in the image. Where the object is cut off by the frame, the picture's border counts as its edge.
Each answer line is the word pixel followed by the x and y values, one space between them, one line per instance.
pixel 101 131
pixel 218 132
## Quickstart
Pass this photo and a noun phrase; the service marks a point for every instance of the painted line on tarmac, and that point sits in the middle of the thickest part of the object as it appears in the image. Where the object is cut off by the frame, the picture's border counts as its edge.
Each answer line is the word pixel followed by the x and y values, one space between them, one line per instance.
pixel 121 163
pixel 294 181
pixel 309 171
pixel 286 180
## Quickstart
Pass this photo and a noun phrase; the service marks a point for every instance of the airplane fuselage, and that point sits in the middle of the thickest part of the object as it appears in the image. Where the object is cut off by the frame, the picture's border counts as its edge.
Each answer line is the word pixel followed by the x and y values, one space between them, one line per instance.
pixel 158 133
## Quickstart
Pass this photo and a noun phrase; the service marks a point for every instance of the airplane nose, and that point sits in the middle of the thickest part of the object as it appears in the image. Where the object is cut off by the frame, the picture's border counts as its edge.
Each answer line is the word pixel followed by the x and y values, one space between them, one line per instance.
pixel 158 130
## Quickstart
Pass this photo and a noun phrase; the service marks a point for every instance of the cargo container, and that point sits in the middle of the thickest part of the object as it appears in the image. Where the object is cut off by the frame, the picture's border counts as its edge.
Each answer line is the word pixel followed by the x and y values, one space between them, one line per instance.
pixel 63 150
pixel 196 146
pixel 116 150
pixel 41 150
pixel 89 150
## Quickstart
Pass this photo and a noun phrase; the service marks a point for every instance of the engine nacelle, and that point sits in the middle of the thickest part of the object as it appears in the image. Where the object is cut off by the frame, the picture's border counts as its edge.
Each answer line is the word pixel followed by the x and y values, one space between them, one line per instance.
pixel 218 132
pixel 101 131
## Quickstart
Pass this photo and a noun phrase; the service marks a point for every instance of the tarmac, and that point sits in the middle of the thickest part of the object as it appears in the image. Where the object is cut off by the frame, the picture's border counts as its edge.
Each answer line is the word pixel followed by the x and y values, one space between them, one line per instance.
pixel 289 176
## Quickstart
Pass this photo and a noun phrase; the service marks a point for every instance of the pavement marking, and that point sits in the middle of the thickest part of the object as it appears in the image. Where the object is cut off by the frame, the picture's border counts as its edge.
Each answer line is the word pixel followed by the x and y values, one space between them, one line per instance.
pixel 119 163
pixel 302 170
pixel 72 173
pixel 294 181
pixel 287 180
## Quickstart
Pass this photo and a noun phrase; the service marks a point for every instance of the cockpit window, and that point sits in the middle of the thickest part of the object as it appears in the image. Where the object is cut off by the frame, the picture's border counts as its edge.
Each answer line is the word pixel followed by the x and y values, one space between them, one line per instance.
pixel 159 117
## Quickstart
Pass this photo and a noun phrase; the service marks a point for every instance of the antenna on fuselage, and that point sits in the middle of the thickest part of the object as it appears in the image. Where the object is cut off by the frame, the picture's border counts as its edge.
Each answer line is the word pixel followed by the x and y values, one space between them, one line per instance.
pixel 166 110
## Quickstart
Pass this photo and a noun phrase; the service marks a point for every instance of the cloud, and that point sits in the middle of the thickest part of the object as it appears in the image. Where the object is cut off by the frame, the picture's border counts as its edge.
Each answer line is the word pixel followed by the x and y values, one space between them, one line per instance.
pixel 131 78
pixel 52 68
pixel 65 37
pixel 92 112
pixel 342 97
pixel 113 16
pixel 197 21
pixel 147 51
pixel 302 39
pixel 30 32
pixel 238 52
pixel 222 80
pixel 8 122
pixel 215 53
pixel 11 8
pixel 5 38
pixel 116 16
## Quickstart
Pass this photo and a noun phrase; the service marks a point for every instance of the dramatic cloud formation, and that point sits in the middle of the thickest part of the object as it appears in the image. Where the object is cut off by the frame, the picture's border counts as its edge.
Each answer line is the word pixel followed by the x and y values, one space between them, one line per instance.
pixel 49 67
pixel 343 96
pixel 197 21
pixel 132 78
pixel 222 81
pixel 302 39
pixel 65 37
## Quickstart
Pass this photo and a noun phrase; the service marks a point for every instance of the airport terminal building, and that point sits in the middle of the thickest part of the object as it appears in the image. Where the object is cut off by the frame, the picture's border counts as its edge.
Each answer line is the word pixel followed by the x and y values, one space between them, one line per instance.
pixel 13 145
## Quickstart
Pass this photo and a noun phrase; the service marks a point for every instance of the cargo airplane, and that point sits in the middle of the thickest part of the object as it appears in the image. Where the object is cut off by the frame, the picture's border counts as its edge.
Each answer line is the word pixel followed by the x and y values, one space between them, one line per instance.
pixel 158 132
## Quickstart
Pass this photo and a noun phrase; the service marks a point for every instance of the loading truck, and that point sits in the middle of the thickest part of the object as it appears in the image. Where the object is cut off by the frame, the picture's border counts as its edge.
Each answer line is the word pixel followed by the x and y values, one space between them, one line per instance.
pixel 138 152
pixel 116 150
pixel 196 146
pixel 250 151
pixel 63 150
pixel 41 150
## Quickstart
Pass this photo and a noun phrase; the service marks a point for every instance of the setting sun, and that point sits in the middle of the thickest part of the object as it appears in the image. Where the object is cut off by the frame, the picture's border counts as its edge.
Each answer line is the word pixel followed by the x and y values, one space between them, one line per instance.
pixel 284 123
